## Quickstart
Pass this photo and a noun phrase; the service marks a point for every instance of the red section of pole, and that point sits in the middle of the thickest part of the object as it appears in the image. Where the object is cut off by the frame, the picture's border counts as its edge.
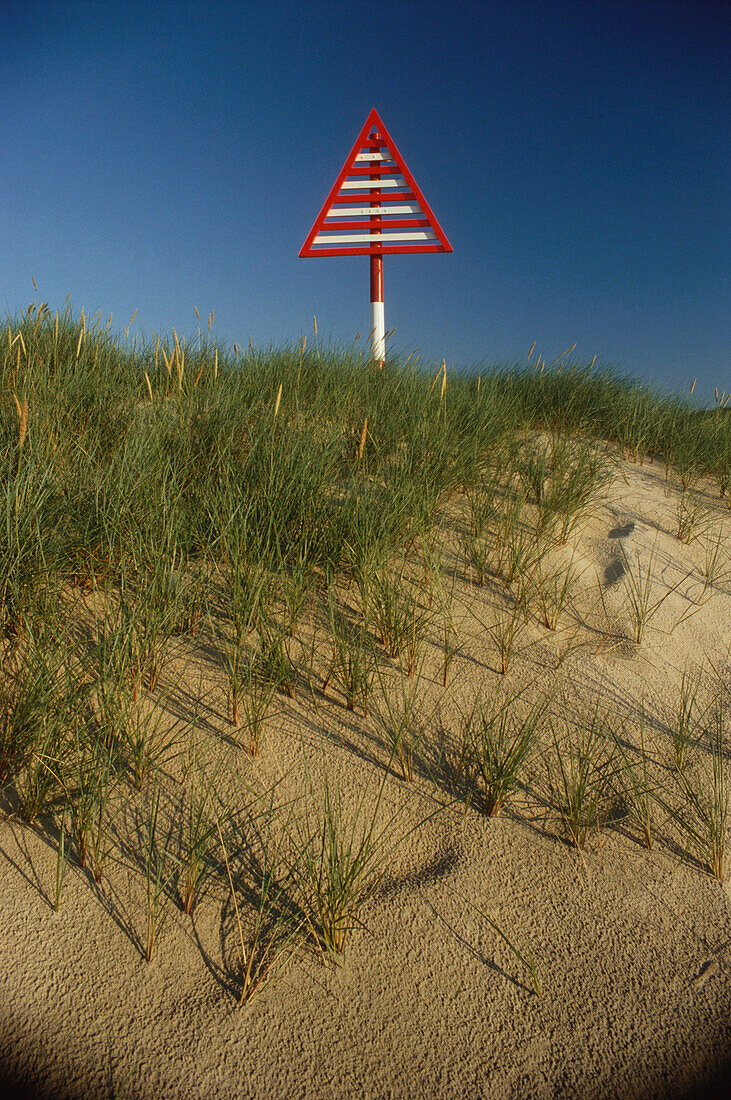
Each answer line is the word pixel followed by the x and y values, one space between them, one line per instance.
pixel 376 278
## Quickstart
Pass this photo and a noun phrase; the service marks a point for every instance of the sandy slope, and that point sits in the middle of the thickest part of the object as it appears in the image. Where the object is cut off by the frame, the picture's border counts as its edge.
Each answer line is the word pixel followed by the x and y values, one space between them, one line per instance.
pixel 632 946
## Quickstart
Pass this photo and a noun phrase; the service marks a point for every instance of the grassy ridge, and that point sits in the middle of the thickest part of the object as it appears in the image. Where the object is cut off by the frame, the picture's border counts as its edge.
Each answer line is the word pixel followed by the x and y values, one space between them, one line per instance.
pixel 129 448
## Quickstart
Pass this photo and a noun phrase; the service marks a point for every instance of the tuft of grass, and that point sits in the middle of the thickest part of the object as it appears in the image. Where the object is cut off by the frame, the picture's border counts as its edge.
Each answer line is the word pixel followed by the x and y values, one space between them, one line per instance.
pixel 296 584
pixel 30 699
pixel 576 476
pixel 247 600
pixel 500 745
pixel 90 805
pixel 536 465
pixel 273 666
pixel 701 812
pixel 522 555
pixel 395 610
pixel 198 824
pixel 691 518
pixel 398 717
pixel 483 496
pixel 553 590
pixel 506 631
pixel 40 781
pixel 684 722
pixel 145 736
pixel 479 554
pixel 256 704
pixel 353 661
pixel 135 725
pixel 639 586
pixel 342 857
pixel 714 560
pixel 150 618
pixel 581 778
pixel 275 927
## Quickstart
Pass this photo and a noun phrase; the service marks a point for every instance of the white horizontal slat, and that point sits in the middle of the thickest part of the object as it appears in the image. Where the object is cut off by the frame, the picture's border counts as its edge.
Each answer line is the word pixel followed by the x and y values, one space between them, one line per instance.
pixel 363 238
pixel 387 181
pixel 364 211
pixel 373 156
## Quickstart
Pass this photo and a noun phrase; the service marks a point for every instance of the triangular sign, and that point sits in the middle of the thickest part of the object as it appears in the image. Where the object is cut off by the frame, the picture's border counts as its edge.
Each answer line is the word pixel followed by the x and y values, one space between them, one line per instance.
pixel 374 206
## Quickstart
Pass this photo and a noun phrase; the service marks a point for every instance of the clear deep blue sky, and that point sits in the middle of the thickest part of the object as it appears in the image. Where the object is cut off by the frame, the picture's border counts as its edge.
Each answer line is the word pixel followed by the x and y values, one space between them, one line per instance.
pixel 160 156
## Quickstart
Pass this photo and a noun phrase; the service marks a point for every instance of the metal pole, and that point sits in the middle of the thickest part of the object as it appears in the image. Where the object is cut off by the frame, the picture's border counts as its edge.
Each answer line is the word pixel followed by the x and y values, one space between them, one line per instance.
pixel 378 315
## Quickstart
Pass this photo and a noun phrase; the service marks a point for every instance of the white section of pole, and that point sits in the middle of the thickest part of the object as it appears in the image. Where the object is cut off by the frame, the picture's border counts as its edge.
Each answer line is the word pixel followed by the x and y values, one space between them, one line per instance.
pixel 378 332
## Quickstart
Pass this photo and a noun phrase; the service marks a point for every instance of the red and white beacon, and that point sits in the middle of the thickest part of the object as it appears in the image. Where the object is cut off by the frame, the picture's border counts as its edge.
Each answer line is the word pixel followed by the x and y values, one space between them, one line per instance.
pixel 375 208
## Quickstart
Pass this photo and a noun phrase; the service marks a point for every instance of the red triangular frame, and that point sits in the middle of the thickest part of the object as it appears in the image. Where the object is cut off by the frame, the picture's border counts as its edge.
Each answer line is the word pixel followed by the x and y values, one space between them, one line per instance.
pixel 351 167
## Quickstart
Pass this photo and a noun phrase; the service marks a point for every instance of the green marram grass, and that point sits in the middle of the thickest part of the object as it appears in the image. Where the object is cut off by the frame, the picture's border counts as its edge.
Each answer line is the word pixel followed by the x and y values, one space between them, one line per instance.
pixel 155 489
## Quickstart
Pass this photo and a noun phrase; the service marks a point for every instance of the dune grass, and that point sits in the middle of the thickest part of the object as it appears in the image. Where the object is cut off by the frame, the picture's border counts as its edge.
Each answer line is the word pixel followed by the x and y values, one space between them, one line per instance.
pixel 160 493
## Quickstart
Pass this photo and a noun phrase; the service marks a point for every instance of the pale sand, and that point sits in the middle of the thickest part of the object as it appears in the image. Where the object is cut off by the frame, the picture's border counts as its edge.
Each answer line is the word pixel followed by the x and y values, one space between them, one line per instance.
pixel 632 946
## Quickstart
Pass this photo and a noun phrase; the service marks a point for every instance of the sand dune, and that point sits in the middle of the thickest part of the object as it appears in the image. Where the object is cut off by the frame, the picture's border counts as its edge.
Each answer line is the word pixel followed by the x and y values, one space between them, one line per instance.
pixel 433 996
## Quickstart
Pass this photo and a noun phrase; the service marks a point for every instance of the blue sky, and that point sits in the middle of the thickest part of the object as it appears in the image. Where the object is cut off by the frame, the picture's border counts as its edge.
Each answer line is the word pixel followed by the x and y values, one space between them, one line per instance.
pixel 161 156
